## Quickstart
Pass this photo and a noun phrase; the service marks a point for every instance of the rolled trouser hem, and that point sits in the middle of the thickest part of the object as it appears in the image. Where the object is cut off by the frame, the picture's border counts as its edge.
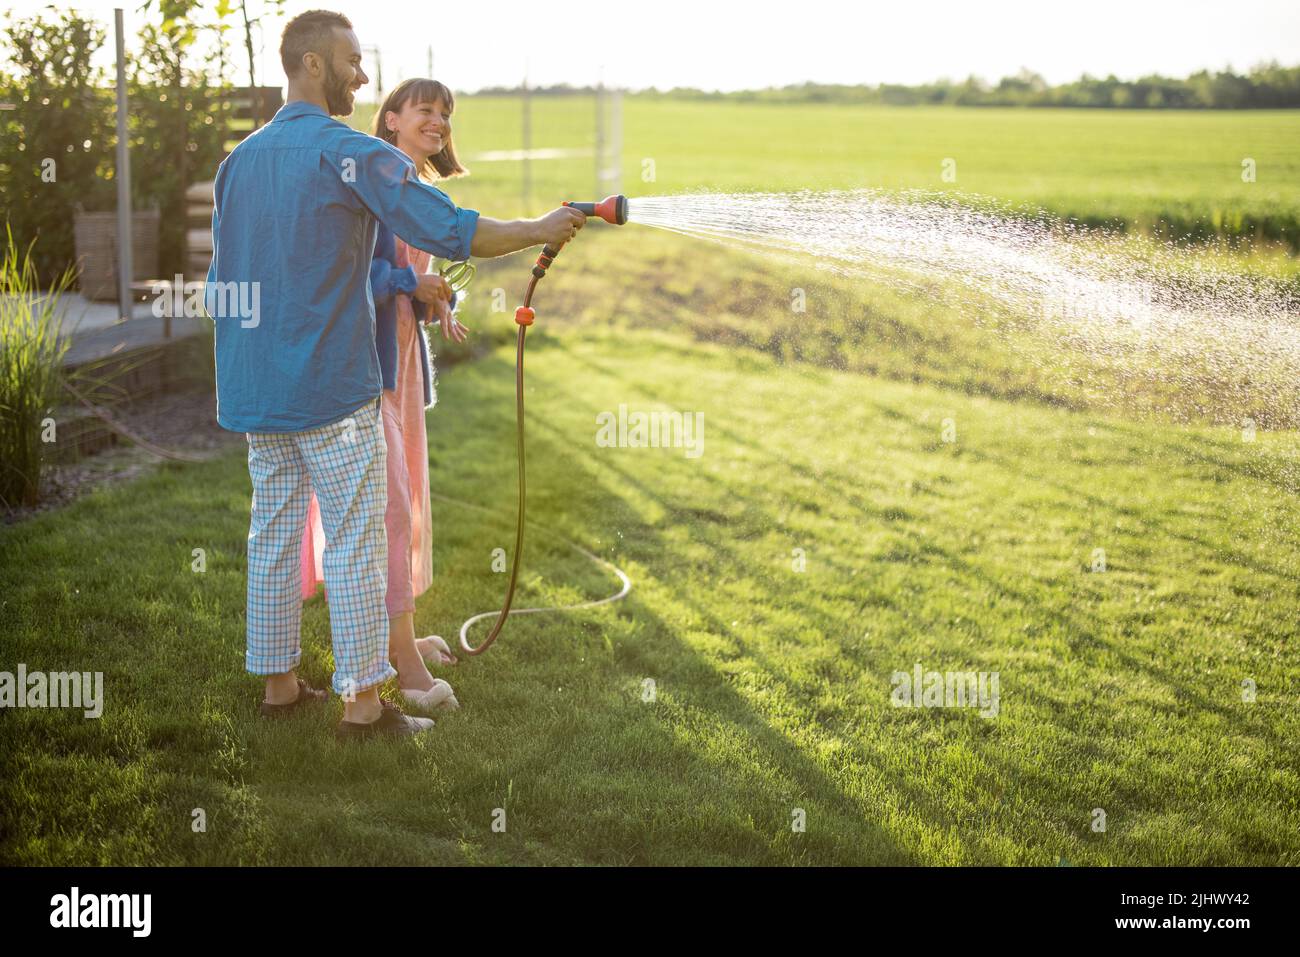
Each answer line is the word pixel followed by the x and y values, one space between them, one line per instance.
pixel 272 666
pixel 343 684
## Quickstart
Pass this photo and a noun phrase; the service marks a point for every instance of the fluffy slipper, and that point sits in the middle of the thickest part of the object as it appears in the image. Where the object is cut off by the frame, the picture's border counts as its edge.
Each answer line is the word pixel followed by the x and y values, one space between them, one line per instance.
pixel 439 696
pixel 435 651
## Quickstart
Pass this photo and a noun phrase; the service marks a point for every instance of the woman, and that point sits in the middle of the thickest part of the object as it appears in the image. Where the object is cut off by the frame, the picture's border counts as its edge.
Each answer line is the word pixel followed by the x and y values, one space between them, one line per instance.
pixel 416 119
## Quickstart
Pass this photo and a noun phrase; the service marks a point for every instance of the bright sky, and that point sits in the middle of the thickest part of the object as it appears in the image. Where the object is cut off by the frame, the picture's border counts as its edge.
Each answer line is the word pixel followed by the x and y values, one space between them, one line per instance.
pixel 665 43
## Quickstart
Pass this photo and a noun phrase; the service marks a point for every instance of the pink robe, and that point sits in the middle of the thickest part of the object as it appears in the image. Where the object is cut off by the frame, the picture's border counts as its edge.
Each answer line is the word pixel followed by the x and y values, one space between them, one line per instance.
pixel 409 519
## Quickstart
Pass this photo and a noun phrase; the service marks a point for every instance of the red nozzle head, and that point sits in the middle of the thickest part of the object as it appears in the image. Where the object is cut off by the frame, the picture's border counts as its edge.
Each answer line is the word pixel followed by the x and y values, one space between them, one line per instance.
pixel 612 209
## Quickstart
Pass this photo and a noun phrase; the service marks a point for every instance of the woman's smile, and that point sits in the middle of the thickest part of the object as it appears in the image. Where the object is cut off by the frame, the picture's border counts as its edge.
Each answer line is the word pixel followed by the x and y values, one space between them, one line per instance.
pixel 416 118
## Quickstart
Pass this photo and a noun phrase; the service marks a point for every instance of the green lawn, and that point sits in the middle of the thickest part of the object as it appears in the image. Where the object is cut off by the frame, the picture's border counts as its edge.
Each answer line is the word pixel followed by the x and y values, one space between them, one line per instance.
pixel 1120 690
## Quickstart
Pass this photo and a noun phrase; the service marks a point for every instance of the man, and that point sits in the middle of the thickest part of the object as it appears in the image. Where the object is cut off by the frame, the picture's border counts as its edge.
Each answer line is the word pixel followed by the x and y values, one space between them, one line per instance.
pixel 293 232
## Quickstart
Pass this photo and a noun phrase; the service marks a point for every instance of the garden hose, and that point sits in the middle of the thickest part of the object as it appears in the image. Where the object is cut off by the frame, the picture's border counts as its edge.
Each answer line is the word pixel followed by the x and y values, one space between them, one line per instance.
pixel 612 210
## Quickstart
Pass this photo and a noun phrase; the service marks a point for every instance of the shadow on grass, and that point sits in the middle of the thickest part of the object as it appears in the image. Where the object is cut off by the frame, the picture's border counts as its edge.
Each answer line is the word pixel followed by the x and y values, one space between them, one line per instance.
pixel 1077 623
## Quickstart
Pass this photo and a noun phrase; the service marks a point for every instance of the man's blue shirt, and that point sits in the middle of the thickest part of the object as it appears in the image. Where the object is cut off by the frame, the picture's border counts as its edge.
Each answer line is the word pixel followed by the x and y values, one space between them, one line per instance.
pixel 293 234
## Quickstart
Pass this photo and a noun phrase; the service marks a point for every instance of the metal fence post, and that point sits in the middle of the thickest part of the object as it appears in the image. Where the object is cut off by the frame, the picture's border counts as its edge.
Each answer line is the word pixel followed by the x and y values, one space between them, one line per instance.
pixel 123 175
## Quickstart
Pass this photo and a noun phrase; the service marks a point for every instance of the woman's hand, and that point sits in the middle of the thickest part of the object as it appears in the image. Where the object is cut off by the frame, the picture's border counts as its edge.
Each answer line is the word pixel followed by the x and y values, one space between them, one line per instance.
pixel 450 326
pixel 432 289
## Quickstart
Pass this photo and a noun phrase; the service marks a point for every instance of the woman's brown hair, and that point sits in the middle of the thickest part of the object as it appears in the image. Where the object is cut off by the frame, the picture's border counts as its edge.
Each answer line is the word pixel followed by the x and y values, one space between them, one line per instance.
pixel 440 165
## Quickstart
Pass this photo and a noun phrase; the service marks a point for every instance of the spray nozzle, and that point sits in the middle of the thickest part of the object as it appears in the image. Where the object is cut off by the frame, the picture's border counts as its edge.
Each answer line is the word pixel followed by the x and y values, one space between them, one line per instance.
pixel 612 209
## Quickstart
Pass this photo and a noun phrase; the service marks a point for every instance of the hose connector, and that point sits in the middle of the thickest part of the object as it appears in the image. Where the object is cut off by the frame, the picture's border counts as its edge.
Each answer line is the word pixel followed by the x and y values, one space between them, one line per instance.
pixel 545 258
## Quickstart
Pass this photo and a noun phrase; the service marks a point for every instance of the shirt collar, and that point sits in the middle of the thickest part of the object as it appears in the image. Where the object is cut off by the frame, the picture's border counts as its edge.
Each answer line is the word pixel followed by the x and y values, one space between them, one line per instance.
pixel 297 108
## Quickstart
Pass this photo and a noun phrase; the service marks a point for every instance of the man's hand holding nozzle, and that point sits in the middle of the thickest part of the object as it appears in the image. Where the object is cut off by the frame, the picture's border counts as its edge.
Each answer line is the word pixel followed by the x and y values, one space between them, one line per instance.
pixel 560 225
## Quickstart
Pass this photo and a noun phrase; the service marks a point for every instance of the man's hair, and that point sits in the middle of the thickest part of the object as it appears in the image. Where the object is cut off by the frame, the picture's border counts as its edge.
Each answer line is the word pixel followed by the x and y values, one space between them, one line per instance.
pixel 310 32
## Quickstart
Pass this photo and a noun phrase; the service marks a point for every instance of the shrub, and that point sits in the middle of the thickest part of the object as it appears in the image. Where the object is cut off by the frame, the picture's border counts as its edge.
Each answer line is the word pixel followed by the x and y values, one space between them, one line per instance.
pixel 31 355
pixel 58 140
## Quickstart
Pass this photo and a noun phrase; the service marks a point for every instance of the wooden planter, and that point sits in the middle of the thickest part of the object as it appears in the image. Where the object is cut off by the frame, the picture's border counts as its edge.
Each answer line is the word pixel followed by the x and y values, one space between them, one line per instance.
pixel 95 235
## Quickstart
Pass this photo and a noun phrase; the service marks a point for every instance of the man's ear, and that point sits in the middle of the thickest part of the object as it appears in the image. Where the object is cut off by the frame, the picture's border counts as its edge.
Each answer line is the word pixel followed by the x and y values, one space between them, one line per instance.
pixel 312 63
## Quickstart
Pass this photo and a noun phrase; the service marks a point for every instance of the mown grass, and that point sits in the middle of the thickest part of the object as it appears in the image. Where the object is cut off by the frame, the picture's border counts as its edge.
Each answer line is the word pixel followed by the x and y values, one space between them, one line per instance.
pixel 1120 690
pixel 1174 173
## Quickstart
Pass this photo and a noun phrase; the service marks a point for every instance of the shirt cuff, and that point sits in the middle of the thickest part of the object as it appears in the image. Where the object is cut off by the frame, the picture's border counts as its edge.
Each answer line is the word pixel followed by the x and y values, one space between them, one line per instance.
pixel 466 224
pixel 405 280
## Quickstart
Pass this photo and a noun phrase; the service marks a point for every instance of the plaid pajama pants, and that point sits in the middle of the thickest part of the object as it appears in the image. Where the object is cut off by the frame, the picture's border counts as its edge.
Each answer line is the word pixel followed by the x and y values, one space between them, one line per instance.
pixel 345 462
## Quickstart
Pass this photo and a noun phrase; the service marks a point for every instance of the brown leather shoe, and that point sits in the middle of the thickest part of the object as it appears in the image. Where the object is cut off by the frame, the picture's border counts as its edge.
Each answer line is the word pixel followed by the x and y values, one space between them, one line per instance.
pixel 391 723
pixel 306 695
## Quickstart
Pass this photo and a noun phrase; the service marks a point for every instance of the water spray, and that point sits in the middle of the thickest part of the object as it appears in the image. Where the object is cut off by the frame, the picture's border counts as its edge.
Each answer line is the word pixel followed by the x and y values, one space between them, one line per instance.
pixel 613 210
pixel 1140 309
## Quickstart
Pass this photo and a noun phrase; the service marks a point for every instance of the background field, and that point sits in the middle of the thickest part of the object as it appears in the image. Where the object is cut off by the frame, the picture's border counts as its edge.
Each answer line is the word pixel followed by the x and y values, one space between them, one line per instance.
pixel 1179 171
pixel 1121 690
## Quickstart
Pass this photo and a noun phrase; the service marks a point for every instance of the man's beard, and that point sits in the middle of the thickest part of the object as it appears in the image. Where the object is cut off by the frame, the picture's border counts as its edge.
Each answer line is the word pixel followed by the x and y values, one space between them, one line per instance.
pixel 336 93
